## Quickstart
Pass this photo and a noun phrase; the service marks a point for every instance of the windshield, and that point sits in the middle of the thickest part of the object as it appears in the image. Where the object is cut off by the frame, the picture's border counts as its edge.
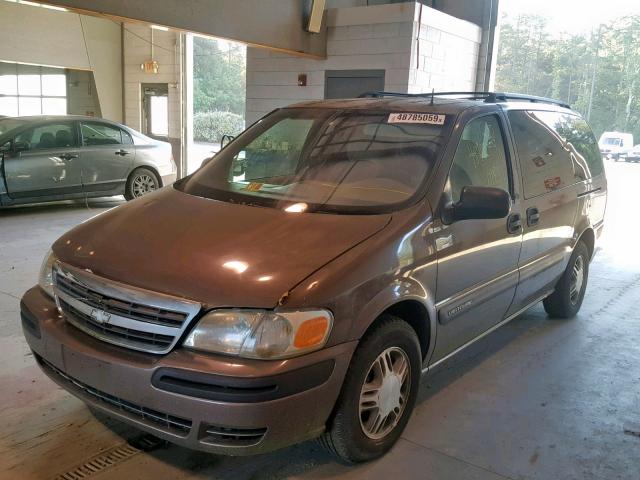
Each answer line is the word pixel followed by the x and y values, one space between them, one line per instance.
pixel 611 141
pixel 7 124
pixel 325 160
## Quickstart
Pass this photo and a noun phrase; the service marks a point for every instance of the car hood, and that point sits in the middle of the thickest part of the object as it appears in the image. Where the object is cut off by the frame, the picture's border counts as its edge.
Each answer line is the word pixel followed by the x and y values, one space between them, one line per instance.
pixel 217 253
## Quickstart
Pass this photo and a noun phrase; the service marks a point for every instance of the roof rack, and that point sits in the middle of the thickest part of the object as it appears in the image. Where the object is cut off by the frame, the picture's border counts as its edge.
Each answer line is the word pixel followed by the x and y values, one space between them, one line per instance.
pixel 488 97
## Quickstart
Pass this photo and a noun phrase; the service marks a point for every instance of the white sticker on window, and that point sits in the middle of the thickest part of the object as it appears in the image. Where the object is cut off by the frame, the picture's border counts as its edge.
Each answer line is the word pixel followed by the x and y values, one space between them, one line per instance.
pixel 430 118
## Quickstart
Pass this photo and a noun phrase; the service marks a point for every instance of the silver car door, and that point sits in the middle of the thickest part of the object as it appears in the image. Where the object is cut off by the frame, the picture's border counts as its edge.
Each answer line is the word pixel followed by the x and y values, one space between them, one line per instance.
pixel 107 155
pixel 43 161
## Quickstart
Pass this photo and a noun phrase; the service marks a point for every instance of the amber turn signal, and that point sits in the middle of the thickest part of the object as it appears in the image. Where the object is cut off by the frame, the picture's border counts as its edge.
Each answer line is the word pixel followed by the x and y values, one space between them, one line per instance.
pixel 311 332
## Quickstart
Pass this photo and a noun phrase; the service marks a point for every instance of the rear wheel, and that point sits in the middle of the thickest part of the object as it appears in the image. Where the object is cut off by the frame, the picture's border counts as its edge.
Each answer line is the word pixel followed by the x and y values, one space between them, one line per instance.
pixel 566 300
pixel 379 393
pixel 140 182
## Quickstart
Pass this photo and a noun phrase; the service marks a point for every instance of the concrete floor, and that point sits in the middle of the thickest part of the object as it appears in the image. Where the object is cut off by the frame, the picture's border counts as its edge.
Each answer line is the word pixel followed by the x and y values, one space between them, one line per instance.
pixel 538 399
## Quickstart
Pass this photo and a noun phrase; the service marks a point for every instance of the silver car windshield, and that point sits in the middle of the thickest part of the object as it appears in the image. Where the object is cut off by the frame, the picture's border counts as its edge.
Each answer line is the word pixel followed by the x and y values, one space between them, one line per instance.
pixel 325 160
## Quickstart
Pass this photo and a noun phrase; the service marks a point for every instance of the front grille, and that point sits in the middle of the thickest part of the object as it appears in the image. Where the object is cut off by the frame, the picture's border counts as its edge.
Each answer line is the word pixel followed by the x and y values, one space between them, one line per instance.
pixel 119 307
pixel 120 314
pixel 232 436
pixel 107 331
pixel 168 423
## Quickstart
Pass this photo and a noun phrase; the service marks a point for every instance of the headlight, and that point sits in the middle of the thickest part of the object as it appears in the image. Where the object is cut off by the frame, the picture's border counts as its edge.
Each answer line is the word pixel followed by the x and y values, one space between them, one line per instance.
pixel 261 334
pixel 45 280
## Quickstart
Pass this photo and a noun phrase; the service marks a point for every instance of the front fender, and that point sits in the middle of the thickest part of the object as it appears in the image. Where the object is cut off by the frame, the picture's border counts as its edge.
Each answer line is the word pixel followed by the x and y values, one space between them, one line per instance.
pixel 406 289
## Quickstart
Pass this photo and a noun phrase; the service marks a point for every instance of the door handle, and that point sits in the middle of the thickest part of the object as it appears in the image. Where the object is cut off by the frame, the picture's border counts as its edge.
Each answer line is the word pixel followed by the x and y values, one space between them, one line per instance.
pixel 514 223
pixel 68 156
pixel 589 192
pixel 533 216
pixel 122 152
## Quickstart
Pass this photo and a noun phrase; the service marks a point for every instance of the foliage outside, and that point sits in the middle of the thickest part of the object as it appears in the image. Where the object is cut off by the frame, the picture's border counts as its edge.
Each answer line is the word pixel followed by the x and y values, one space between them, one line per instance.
pixel 597 73
pixel 219 89
pixel 210 127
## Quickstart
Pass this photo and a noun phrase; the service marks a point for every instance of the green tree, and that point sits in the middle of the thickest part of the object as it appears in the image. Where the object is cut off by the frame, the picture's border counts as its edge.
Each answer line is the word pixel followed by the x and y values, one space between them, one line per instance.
pixel 597 73
pixel 219 77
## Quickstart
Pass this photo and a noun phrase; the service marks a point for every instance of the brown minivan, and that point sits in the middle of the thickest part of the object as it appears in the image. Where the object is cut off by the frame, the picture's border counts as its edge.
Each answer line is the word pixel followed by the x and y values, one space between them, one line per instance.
pixel 300 283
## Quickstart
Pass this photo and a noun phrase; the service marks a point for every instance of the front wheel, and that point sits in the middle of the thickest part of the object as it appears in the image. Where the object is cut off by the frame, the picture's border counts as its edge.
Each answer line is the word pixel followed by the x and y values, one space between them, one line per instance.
pixel 566 300
pixel 379 393
pixel 140 182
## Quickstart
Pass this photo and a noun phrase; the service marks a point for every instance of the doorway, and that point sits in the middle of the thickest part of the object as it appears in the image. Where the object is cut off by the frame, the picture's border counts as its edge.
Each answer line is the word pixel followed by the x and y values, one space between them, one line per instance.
pixel 352 83
pixel 155 110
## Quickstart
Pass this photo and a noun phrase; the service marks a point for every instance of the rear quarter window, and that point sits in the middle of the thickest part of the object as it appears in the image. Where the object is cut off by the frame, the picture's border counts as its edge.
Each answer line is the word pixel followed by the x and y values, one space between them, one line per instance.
pixel 99 134
pixel 126 138
pixel 545 156
pixel 584 147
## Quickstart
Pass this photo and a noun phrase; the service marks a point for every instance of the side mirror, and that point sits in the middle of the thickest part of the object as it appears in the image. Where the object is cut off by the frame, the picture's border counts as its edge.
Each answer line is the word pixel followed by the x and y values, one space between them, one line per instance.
pixel 225 140
pixel 478 203
pixel 239 167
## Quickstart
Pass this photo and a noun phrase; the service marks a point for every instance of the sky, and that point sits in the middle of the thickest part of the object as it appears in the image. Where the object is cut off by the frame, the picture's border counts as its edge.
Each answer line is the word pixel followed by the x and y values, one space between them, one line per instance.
pixel 573 16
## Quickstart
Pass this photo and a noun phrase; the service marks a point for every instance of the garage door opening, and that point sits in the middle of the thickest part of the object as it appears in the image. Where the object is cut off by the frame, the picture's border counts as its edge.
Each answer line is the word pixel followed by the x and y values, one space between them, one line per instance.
pixel 43 90
pixel 218 95
pixel 592 62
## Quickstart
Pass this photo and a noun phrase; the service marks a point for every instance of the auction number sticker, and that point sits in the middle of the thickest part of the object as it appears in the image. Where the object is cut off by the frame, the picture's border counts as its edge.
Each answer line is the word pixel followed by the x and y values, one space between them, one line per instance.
pixel 430 118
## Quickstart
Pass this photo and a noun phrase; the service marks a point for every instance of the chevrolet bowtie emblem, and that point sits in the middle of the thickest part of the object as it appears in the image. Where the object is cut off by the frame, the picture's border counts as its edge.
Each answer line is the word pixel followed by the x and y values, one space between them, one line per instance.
pixel 100 316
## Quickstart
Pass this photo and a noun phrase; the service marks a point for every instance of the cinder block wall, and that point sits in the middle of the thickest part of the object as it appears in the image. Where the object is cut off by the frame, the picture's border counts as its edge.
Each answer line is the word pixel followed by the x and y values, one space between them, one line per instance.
pixel 444 53
pixel 417 46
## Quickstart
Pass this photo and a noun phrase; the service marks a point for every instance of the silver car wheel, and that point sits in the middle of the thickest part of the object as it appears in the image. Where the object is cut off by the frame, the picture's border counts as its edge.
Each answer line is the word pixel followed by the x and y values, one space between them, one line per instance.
pixel 143 184
pixel 577 279
pixel 384 394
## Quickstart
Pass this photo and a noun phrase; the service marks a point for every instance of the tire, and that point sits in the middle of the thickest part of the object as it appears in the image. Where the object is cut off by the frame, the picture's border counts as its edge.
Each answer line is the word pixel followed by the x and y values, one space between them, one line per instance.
pixel 140 182
pixel 355 435
pixel 566 300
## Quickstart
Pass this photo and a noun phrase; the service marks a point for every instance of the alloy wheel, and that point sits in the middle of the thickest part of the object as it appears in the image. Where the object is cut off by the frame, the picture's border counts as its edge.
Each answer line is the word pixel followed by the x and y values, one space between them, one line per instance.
pixel 577 279
pixel 385 392
pixel 143 184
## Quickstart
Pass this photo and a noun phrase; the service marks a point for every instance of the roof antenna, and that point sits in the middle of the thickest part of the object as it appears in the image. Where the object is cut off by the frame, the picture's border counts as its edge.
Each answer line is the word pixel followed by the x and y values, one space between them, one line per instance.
pixel 433 91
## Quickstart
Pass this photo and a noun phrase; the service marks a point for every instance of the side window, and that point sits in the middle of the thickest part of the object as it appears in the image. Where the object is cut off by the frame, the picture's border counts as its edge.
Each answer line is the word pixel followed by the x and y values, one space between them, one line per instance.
pixel 480 159
pixel 43 137
pixel 126 138
pixel 94 134
pixel 544 157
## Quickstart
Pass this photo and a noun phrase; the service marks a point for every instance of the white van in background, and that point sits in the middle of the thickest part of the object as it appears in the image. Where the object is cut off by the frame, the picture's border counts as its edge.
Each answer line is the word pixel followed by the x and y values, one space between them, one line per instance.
pixel 614 145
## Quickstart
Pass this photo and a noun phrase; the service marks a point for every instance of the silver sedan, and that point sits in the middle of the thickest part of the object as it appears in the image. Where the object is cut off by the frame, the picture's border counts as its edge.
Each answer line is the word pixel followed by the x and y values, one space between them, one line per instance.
pixel 67 157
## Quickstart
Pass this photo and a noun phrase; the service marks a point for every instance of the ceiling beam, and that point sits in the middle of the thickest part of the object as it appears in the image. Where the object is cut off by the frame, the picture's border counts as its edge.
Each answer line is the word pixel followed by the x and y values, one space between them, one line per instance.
pixel 272 24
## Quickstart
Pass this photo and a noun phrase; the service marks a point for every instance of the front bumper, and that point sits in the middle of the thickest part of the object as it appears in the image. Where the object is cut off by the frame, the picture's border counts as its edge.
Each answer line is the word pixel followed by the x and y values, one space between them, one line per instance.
pixel 169 179
pixel 268 404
